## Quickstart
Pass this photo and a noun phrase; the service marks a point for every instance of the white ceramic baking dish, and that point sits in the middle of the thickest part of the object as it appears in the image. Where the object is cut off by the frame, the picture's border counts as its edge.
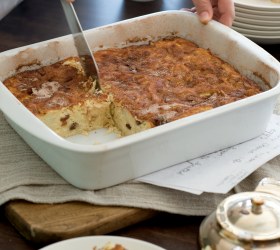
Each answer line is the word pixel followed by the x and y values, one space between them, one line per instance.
pixel 114 161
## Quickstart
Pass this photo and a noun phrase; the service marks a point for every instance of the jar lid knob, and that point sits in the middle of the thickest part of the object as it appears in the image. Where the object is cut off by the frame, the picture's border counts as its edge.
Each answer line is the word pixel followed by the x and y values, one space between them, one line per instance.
pixel 257 203
pixel 250 216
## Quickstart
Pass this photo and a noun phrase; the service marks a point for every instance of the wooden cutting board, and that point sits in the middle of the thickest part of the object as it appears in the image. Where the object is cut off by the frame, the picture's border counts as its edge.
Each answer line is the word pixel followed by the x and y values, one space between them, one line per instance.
pixel 45 223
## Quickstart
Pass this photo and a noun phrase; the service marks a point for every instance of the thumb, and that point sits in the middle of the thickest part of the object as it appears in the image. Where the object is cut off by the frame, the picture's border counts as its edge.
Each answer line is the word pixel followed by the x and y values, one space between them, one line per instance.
pixel 204 10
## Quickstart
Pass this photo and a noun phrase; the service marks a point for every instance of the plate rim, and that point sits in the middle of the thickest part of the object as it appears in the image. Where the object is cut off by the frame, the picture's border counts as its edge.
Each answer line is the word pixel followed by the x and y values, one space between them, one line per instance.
pixel 253 16
pixel 103 240
pixel 256 12
pixel 263 40
pixel 255 27
pixel 276 38
pixel 257 32
pixel 260 5
pixel 257 22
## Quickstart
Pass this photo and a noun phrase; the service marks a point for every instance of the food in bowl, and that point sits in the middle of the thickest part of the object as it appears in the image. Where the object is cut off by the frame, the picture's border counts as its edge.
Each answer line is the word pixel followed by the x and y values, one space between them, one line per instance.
pixel 143 86
pixel 110 246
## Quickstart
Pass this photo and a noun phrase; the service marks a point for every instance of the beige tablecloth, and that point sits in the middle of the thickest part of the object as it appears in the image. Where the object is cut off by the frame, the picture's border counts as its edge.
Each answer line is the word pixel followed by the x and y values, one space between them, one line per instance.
pixel 23 175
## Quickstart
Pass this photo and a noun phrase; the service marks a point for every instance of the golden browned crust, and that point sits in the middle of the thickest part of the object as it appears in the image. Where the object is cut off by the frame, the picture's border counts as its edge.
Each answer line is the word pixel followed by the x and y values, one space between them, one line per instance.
pixel 110 246
pixel 170 79
pixel 149 84
pixel 52 87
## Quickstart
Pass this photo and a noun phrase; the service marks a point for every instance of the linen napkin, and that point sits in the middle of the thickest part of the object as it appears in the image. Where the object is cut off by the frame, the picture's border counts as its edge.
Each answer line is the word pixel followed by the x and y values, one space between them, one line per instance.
pixel 23 175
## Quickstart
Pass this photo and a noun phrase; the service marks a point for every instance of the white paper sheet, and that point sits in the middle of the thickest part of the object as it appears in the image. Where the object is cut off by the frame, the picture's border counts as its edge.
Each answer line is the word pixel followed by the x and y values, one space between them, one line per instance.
pixel 219 172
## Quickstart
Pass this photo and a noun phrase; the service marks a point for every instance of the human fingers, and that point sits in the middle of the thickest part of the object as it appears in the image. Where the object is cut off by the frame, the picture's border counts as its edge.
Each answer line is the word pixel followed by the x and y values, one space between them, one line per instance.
pixel 226 11
pixel 204 10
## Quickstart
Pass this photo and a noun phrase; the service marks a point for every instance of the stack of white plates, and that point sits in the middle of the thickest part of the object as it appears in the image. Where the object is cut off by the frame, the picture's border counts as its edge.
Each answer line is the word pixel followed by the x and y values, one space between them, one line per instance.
pixel 259 20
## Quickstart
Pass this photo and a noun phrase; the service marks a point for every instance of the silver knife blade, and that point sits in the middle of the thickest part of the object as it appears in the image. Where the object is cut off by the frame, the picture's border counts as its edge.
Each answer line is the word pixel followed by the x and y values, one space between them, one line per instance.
pixel 90 68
